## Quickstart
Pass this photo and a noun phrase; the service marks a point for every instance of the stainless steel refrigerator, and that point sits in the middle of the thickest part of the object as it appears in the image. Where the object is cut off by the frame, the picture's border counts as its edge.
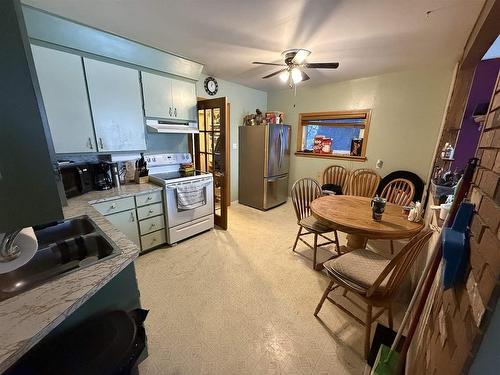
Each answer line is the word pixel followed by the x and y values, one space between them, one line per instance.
pixel 264 159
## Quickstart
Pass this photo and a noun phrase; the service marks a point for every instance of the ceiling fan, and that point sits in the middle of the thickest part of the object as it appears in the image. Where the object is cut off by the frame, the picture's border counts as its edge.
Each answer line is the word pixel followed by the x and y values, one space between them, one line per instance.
pixel 295 64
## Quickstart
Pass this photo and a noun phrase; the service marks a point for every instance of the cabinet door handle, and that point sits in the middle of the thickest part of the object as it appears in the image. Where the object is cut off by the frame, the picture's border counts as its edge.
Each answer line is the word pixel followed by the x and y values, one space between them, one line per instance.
pixel 113 206
pixel 151 211
pixel 175 112
pixel 153 225
pixel 90 144
pixel 132 216
pixel 149 198
pixel 170 111
pixel 100 142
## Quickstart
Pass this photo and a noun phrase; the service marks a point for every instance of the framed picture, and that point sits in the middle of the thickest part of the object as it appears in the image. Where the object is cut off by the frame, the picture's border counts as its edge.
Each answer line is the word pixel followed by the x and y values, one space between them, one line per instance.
pixel 356 145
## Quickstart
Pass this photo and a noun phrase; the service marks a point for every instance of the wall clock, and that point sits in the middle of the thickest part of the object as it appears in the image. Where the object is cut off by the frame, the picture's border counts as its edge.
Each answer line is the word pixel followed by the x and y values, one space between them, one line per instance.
pixel 211 86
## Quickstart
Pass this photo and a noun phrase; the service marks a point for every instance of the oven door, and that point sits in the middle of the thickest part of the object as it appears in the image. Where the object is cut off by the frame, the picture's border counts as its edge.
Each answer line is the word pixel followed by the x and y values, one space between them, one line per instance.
pixel 176 216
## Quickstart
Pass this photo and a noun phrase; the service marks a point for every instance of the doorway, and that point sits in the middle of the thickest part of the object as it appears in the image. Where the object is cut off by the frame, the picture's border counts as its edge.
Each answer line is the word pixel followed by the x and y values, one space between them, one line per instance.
pixel 211 147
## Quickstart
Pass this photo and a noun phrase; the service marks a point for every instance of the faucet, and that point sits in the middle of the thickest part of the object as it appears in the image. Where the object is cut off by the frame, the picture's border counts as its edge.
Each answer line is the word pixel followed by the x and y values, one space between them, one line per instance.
pixel 8 250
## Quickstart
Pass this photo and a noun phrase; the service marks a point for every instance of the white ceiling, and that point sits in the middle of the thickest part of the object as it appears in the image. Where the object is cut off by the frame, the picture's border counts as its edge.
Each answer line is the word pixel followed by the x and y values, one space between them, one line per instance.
pixel 367 37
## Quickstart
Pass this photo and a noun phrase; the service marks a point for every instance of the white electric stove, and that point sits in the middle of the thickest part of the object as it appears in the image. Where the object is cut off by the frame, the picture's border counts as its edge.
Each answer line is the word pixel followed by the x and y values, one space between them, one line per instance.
pixel 181 223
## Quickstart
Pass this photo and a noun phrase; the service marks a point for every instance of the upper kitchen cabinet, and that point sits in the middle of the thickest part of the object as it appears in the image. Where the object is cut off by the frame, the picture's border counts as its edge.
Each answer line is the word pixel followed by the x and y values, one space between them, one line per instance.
pixel 115 98
pixel 157 92
pixel 184 99
pixel 64 94
pixel 168 98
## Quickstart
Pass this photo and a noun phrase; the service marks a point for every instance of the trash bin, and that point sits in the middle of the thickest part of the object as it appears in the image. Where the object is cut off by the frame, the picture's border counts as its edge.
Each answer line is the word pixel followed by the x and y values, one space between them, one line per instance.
pixel 107 344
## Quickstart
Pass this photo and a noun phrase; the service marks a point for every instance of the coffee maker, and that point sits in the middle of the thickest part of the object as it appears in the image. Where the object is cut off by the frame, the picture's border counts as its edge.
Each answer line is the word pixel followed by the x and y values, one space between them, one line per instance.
pixel 102 176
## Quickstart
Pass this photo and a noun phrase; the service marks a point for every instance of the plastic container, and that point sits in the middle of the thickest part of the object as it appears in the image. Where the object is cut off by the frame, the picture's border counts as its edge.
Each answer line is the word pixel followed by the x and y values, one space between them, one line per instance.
pixel 445 210
pixel 440 190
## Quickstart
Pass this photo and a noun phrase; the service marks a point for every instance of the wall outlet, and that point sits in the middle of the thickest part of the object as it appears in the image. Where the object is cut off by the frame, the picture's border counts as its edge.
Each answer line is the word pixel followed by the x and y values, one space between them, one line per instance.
pixel 380 164
pixel 235 146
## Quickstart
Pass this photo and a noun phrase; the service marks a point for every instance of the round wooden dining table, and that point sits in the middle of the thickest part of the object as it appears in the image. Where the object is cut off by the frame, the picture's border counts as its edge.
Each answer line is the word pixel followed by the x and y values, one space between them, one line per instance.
pixel 353 215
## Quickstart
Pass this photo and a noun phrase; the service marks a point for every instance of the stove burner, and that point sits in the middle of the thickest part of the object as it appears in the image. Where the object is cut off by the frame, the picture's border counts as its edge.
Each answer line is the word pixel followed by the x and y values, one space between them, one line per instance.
pixel 177 174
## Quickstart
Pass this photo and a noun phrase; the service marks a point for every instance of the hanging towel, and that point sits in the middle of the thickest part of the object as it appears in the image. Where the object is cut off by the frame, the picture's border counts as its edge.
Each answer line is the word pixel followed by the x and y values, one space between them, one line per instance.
pixel 191 195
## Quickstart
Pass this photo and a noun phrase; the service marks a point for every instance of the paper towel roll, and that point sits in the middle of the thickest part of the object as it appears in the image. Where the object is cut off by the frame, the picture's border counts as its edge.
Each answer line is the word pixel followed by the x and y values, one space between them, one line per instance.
pixel 26 240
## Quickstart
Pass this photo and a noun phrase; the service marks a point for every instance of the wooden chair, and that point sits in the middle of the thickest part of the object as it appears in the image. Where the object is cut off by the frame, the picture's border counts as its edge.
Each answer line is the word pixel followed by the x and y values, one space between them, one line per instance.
pixel 363 183
pixel 373 278
pixel 304 191
pixel 399 191
pixel 336 175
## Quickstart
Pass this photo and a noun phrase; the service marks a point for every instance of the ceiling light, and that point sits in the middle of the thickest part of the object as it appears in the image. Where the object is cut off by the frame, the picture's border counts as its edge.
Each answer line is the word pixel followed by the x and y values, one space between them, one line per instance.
pixel 284 76
pixel 296 75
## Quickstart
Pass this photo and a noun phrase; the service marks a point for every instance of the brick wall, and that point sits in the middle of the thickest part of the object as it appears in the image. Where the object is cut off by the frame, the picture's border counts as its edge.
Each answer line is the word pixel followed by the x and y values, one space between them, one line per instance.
pixel 456 319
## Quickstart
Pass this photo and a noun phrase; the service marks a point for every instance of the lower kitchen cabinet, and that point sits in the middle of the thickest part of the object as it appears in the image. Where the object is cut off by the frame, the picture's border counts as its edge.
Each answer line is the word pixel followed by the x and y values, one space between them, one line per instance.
pixel 141 218
pixel 126 222
pixel 153 239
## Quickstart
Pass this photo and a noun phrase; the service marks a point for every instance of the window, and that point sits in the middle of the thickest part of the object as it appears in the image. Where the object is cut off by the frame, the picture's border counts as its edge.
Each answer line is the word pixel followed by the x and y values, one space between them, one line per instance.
pixel 334 134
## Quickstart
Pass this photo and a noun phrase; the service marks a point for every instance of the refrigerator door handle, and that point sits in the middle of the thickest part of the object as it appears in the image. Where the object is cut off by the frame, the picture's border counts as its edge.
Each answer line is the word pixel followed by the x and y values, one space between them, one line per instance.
pixel 283 144
pixel 280 137
pixel 274 179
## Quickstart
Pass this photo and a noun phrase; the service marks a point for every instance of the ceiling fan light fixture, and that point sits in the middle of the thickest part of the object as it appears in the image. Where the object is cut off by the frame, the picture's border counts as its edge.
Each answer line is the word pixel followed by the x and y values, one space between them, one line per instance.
pixel 284 76
pixel 296 75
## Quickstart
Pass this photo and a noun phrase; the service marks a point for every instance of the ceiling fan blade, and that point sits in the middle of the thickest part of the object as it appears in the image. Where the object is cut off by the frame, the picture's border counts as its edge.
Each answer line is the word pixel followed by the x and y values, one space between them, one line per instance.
pixel 322 65
pixel 273 74
pixel 265 63
pixel 305 77
pixel 300 56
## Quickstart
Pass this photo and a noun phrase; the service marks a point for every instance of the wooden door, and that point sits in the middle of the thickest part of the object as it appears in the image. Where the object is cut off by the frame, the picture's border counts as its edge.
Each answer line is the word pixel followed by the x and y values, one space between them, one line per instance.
pixel 212 152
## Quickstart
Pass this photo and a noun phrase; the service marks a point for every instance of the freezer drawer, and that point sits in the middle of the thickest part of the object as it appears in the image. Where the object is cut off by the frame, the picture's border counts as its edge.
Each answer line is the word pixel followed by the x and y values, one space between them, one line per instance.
pixel 186 230
pixel 275 191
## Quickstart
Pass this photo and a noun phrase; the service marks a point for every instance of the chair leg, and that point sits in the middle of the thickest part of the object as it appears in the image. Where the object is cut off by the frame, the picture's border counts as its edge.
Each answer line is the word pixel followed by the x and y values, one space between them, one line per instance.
pixel 368 329
pixel 389 317
pixel 337 241
pixel 297 238
pixel 392 247
pixel 323 297
pixel 315 250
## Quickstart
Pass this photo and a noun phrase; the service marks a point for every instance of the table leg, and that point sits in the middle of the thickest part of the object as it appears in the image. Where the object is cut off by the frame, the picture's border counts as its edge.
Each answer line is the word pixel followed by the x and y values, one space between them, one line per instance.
pixel 355 242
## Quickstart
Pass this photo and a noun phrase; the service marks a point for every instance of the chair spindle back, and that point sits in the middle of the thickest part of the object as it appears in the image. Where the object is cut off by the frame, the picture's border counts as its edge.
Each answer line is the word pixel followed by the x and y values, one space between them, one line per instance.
pixel 364 183
pixel 304 191
pixel 400 265
pixel 399 191
pixel 336 175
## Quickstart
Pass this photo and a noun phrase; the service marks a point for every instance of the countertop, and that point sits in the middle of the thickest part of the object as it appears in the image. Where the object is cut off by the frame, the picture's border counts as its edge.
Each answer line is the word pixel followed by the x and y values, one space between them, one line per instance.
pixel 28 317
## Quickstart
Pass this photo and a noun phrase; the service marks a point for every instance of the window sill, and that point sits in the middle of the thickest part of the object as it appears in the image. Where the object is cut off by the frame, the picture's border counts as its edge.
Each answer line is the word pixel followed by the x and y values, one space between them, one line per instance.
pixel 330 156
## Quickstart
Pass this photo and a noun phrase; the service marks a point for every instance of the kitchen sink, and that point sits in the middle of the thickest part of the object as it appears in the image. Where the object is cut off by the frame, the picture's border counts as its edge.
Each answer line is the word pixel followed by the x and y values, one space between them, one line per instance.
pixel 63 247
pixel 61 231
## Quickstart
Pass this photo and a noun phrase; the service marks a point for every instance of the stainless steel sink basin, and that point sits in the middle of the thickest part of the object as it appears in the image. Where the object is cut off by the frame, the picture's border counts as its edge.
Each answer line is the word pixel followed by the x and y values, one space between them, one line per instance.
pixel 61 231
pixel 63 247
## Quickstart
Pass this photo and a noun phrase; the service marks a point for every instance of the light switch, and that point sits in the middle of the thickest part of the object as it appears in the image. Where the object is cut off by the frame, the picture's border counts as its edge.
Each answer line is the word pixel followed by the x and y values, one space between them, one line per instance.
pixel 380 164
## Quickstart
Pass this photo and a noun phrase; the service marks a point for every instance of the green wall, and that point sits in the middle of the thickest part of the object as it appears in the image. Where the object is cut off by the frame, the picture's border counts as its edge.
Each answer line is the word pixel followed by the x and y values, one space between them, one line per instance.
pixel 407 110
pixel 244 100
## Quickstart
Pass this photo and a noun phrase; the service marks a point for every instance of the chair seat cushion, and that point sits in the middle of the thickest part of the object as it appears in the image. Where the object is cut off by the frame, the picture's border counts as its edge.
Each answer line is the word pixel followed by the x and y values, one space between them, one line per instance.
pixel 314 225
pixel 332 187
pixel 359 267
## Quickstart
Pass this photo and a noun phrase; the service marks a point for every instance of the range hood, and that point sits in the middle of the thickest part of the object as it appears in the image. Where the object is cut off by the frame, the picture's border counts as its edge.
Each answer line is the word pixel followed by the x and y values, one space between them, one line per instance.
pixel 156 125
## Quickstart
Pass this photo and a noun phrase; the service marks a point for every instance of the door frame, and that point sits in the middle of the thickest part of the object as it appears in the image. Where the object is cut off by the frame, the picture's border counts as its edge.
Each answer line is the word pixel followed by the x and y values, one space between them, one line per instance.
pixel 194 145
